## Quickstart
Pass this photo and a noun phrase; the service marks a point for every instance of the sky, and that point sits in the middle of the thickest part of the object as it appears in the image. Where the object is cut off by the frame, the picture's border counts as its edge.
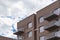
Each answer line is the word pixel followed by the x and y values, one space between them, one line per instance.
pixel 13 11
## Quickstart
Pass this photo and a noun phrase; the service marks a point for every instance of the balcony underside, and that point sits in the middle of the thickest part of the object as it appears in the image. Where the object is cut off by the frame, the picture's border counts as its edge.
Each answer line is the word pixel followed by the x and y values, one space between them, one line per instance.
pixel 52 28
pixel 54 38
pixel 19 33
pixel 52 17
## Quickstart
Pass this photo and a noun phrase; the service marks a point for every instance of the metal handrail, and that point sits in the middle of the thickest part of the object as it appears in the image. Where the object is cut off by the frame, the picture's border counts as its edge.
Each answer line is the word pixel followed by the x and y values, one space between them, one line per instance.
pixel 21 29
pixel 50 24
pixel 53 34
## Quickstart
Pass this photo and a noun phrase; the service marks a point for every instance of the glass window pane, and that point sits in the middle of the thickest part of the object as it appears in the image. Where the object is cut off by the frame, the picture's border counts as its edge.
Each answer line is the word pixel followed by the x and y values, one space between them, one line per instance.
pixel 30 25
pixel 42 29
pixel 42 38
pixel 57 11
pixel 41 19
pixel 29 34
pixel 19 37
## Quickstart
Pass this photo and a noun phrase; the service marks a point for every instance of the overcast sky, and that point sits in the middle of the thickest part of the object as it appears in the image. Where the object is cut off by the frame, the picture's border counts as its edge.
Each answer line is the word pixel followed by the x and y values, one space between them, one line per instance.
pixel 12 11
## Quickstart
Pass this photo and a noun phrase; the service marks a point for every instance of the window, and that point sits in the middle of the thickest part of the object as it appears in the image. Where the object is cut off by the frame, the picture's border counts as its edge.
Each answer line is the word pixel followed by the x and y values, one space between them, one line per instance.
pixel 41 38
pixel 41 29
pixel 41 19
pixel 19 37
pixel 30 25
pixel 29 34
pixel 57 11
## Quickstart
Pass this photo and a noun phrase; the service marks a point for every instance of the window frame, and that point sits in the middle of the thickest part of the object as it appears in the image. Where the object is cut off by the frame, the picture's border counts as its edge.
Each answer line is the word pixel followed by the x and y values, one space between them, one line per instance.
pixel 31 25
pixel 41 37
pixel 28 34
pixel 40 18
pixel 41 29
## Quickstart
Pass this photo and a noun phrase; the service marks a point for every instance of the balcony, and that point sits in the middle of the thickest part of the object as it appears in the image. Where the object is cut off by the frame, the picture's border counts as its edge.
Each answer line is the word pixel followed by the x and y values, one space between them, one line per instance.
pixel 50 16
pixel 53 36
pixel 19 31
pixel 20 37
pixel 52 25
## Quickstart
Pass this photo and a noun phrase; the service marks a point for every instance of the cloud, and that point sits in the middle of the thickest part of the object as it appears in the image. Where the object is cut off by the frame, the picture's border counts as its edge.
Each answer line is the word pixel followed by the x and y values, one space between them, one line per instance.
pixel 6 27
pixel 22 6
pixel 13 29
pixel 3 10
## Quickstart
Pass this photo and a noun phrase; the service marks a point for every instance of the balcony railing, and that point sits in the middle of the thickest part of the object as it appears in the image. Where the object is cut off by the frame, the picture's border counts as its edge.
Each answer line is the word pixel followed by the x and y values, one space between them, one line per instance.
pixel 50 16
pixel 20 38
pixel 19 31
pixel 53 35
pixel 51 26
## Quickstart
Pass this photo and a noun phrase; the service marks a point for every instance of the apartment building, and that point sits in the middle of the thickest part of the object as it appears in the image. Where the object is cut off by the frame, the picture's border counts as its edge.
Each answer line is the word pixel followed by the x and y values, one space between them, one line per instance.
pixel 5 38
pixel 48 22
pixel 25 28
pixel 44 25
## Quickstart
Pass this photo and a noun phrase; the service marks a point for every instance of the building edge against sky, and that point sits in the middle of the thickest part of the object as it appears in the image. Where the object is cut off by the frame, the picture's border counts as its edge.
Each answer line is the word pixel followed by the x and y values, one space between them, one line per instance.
pixel 38 26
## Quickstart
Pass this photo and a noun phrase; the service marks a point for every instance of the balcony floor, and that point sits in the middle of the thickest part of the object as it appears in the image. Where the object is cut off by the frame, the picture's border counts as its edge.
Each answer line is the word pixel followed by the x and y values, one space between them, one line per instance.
pixel 52 17
pixel 54 38
pixel 19 32
pixel 52 28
